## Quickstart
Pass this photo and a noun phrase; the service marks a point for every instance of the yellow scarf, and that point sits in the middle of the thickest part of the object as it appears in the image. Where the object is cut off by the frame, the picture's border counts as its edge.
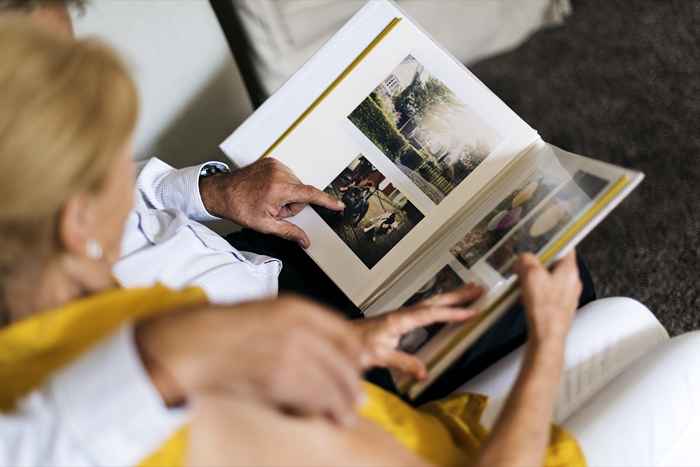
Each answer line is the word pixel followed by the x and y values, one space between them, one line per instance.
pixel 445 433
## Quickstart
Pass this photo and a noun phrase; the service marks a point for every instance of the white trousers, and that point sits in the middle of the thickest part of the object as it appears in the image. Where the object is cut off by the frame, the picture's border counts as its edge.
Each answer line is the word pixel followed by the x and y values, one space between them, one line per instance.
pixel 629 395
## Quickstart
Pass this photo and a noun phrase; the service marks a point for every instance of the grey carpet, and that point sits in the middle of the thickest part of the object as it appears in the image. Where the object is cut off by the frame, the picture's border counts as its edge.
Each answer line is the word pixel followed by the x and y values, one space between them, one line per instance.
pixel 620 81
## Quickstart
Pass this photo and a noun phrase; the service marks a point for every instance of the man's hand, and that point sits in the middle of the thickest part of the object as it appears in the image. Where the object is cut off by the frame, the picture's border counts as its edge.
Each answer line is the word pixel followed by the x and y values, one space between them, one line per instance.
pixel 261 196
pixel 288 353
pixel 381 335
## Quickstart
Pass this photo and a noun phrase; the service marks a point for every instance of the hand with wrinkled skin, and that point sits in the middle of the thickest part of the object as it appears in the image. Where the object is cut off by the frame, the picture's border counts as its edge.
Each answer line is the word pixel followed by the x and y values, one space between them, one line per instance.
pixel 380 336
pixel 262 196
pixel 289 353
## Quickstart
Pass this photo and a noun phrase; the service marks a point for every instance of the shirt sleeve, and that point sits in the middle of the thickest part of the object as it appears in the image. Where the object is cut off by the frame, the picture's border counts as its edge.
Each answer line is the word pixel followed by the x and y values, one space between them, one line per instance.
pixel 102 410
pixel 164 187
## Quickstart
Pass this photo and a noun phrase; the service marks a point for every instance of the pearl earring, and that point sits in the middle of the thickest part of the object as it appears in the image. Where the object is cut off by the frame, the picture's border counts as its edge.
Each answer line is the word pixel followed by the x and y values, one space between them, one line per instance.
pixel 93 249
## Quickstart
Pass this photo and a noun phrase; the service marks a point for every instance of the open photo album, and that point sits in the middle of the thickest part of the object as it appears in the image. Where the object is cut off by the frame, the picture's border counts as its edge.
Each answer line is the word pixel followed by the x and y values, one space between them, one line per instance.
pixel 443 184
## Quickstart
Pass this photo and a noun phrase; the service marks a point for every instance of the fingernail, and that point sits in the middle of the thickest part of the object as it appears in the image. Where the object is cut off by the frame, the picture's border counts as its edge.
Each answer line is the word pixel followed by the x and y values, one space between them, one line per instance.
pixel 341 205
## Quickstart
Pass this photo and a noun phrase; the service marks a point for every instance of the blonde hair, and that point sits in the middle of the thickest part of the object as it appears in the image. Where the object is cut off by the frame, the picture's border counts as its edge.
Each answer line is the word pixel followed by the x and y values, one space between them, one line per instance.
pixel 67 109
pixel 28 5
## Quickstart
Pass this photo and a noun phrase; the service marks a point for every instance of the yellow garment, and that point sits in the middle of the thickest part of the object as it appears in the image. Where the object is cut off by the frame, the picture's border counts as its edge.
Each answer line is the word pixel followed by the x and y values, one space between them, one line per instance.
pixel 448 432
pixel 33 348
pixel 444 433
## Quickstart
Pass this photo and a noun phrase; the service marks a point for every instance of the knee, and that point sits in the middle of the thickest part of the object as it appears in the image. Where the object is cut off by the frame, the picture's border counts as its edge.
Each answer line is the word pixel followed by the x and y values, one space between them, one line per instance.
pixel 624 305
pixel 625 313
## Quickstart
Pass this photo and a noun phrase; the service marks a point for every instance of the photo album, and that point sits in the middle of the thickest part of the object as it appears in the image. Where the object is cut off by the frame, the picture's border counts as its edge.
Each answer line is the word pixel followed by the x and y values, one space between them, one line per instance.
pixel 443 184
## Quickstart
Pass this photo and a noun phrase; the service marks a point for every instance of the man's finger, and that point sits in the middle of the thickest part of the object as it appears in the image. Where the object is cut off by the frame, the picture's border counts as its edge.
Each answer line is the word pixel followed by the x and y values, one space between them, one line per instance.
pixel 408 320
pixel 307 194
pixel 406 363
pixel 288 231
pixel 459 296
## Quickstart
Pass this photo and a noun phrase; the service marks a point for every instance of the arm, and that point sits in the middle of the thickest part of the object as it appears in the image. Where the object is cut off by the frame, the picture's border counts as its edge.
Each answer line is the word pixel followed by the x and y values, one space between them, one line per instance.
pixel 230 432
pixel 164 187
pixel 87 415
pixel 287 353
pixel 521 434
pixel 111 407
pixel 260 196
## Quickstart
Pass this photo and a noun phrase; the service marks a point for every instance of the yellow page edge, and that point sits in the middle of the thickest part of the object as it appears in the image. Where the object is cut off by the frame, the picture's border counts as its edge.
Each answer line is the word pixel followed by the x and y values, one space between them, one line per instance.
pixel 544 257
pixel 336 82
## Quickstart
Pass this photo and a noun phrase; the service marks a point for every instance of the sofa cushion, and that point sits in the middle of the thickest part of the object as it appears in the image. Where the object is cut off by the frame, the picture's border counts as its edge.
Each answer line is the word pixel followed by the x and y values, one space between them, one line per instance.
pixel 284 34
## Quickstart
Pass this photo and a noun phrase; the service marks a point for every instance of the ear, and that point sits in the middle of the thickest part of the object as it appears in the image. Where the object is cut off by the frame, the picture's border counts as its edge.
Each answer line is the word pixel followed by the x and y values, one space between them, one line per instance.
pixel 76 224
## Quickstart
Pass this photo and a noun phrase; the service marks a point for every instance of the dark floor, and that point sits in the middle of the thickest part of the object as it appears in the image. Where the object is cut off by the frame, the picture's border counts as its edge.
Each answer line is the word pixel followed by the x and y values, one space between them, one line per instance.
pixel 620 81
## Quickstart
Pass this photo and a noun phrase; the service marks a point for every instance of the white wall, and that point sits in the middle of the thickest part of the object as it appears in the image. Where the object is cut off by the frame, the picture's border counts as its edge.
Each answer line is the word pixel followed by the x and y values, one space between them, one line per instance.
pixel 191 92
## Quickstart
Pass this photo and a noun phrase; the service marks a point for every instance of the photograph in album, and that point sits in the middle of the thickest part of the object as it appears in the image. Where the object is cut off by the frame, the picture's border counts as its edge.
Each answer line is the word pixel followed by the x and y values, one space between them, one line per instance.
pixel 376 215
pixel 548 222
pixel 418 122
pixel 444 281
pixel 503 218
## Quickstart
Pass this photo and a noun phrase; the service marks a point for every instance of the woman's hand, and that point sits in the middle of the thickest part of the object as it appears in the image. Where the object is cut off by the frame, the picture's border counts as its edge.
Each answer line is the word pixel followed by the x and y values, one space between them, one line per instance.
pixel 550 298
pixel 288 353
pixel 380 336
pixel 521 433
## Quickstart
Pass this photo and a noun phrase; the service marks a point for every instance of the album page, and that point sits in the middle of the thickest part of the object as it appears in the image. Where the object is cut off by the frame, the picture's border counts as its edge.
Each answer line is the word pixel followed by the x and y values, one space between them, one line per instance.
pixel 396 129
pixel 545 204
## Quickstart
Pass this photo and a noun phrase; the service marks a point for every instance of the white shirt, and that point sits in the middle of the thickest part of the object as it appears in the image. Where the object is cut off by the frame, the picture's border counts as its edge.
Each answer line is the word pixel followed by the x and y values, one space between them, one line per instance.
pixel 101 410
pixel 164 242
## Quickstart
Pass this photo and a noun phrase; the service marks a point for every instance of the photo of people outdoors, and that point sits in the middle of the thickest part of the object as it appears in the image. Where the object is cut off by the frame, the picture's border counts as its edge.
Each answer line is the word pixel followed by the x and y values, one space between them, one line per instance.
pixel 445 280
pixel 496 225
pixel 549 221
pixel 421 126
pixel 376 215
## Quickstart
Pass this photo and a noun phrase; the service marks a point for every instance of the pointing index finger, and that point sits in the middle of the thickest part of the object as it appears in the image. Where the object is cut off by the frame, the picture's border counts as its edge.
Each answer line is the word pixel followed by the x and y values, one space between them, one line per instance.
pixel 308 194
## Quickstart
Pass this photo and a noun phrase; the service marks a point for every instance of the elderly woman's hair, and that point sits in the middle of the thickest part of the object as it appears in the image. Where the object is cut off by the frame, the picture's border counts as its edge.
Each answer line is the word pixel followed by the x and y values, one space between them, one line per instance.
pixel 67 110
pixel 29 5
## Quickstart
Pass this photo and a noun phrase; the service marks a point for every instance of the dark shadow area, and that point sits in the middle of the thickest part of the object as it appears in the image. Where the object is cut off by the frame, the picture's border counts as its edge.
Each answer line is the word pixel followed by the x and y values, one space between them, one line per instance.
pixel 619 82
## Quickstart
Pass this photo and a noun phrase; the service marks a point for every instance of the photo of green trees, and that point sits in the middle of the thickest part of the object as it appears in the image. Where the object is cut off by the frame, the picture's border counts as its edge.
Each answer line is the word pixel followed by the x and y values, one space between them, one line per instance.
pixel 421 126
